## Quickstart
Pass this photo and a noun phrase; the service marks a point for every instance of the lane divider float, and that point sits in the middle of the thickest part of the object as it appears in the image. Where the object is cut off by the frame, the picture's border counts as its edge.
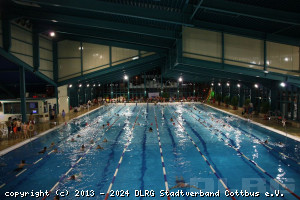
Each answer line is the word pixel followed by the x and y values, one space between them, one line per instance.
pixel 161 156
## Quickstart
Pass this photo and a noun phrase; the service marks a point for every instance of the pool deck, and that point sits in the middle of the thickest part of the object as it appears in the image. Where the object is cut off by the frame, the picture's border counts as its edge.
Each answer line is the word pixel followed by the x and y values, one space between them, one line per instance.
pixel 45 126
pixel 292 127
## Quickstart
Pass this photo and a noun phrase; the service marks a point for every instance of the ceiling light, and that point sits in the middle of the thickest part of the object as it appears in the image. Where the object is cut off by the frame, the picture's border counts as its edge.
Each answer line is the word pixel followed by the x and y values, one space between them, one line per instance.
pixel 219 84
pixel 54 21
pixel 266 72
pixel 70 85
pixel 135 58
pixel 80 85
pixel 238 85
pixel 256 85
pixel 212 84
pixel 94 85
pixel 286 59
pixel 282 84
pixel 180 79
pixel 88 85
pixel 125 77
pixel 99 85
pixel 227 84
pixel 52 34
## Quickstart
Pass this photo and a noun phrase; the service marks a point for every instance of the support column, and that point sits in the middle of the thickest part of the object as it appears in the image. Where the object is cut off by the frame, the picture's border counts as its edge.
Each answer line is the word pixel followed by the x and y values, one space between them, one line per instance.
pixel 23 93
pixel 161 84
pixel 111 91
pixel 56 96
pixel 223 50
pixel 6 34
pixel 110 57
pixel 128 93
pixel 194 91
pixel 35 49
pixel 274 94
pixel 177 96
pixel 265 56
pixel 145 92
pixel 81 59
pixel 55 61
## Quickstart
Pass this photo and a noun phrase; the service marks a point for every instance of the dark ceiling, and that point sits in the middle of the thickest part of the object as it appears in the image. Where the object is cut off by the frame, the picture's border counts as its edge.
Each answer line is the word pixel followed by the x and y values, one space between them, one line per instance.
pixel 153 25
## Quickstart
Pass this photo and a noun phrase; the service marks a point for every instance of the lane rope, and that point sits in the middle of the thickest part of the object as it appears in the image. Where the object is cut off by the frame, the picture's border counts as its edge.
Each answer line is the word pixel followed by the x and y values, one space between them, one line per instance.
pixel 42 158
pixel 161 156
pixel 204 158
pixel 121 158
pixel 250 135
pixel 76 163
pixel 256 165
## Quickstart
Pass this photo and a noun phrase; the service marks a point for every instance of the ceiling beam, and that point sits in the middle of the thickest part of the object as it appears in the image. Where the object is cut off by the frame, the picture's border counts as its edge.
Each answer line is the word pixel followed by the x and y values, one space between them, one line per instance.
pixel 115 9
pixel 110 42
pixel 251 11
pixel 96 23
pixel 196 9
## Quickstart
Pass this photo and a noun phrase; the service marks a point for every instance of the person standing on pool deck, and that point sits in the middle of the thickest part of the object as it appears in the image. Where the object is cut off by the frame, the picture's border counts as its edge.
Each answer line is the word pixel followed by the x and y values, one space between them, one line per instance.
pixel 63 114
pixel 8 124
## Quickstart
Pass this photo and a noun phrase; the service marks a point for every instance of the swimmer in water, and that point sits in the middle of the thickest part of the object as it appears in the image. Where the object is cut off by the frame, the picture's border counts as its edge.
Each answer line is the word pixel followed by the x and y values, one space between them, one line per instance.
pixel 280 143
pixel 92 141
pixel 180 183
pixel 52 144
pixel 55 150
pixel 56 197
pixel 103 126
pixel 105 140
pixel 75 176
pixel 266 142
pixel 44 150
pixel 82 147
pixel 150 129
pixel 78 136
pixel 73 140
pixel 171 119
pixel 99 147
pixel 107 123
pixel 21 166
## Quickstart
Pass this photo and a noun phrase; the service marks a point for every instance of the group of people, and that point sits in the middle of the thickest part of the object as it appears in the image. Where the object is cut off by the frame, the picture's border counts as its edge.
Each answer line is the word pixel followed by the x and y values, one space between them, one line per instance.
pixel 17 129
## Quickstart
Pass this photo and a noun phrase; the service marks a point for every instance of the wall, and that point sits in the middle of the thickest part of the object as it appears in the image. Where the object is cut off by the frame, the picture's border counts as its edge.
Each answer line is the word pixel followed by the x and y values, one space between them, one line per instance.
pixel 76 58
pixel 63 99
pixel 4 117
pixel 69 59
pixel 240 51
pixel 21 43
pixel 201 44
pixel 46 56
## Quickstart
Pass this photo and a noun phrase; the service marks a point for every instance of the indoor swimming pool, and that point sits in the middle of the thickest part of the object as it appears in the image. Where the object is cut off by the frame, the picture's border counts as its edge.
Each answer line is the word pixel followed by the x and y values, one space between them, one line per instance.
pixel 192 152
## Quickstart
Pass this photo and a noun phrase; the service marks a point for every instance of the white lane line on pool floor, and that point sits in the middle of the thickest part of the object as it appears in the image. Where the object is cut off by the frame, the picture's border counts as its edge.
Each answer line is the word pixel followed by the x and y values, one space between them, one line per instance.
pixel 76 163
pixel 121 158
pixel 207 162
pixel 161 155
pixel 254 163
pixel 21 172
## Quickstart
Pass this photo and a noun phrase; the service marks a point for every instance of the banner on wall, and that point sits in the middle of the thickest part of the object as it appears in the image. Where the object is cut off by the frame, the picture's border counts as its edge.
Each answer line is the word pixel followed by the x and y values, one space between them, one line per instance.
pixel 153 94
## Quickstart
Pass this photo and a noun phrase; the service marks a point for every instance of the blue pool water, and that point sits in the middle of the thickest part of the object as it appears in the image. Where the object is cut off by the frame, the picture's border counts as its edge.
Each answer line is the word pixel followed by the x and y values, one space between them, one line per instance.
pixel 206 148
